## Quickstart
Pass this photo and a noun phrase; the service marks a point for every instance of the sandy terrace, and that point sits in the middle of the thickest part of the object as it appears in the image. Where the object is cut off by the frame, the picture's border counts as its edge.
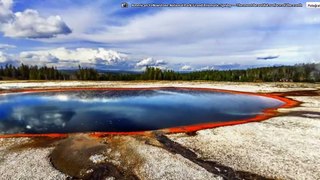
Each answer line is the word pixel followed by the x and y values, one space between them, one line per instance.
pixel 282 147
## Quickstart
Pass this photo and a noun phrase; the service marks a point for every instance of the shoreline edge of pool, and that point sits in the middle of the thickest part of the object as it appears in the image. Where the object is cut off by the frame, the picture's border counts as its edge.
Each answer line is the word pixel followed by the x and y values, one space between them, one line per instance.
pixel 266 113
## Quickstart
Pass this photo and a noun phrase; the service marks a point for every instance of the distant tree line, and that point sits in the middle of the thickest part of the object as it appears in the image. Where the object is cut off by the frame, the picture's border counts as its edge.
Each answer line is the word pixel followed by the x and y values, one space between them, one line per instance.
pixel 25 72
pixel 297 73
pixel 86 74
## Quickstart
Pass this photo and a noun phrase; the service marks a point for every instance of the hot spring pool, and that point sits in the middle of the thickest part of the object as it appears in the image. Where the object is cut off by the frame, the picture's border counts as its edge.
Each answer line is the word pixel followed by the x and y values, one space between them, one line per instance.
pixel 123 110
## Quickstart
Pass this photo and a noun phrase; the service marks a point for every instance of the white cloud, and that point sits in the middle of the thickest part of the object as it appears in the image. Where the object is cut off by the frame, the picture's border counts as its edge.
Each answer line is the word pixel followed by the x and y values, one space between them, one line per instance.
pixel 38 59
pixel 5 10
pixel 7 59
pixel 185 35
pixel 206 68
pixel 3 57
pixel 64 58
pixel 29 24
pixel 186 68
pixel 175 24
pixel 232 37
pixel 6 46
pixel 150 62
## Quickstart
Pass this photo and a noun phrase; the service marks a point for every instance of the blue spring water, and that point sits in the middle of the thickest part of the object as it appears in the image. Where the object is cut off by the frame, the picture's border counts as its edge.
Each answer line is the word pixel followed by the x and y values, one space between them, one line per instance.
pixel 123 110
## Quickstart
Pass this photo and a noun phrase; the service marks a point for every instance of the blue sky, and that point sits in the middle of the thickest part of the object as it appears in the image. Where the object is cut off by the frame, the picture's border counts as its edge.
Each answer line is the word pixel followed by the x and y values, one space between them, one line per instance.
pixel 101 34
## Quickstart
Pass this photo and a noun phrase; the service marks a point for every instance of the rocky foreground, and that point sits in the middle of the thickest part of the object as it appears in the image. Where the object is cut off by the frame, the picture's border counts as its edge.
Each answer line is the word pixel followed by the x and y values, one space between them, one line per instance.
pixel 283 147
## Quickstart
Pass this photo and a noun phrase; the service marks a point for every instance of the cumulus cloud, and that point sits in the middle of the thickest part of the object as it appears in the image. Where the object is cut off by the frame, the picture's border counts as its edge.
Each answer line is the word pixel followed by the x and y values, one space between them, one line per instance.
pixel 3 57
pixel 29 23
pixel 5 12
pixel 8 59
pixel 66 58
pixel 186 68
pixel 38 59
pixel 150 62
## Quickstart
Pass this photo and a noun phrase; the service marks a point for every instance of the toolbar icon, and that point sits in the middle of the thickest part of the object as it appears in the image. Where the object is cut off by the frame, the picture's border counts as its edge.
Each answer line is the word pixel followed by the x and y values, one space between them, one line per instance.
pixel 124 5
